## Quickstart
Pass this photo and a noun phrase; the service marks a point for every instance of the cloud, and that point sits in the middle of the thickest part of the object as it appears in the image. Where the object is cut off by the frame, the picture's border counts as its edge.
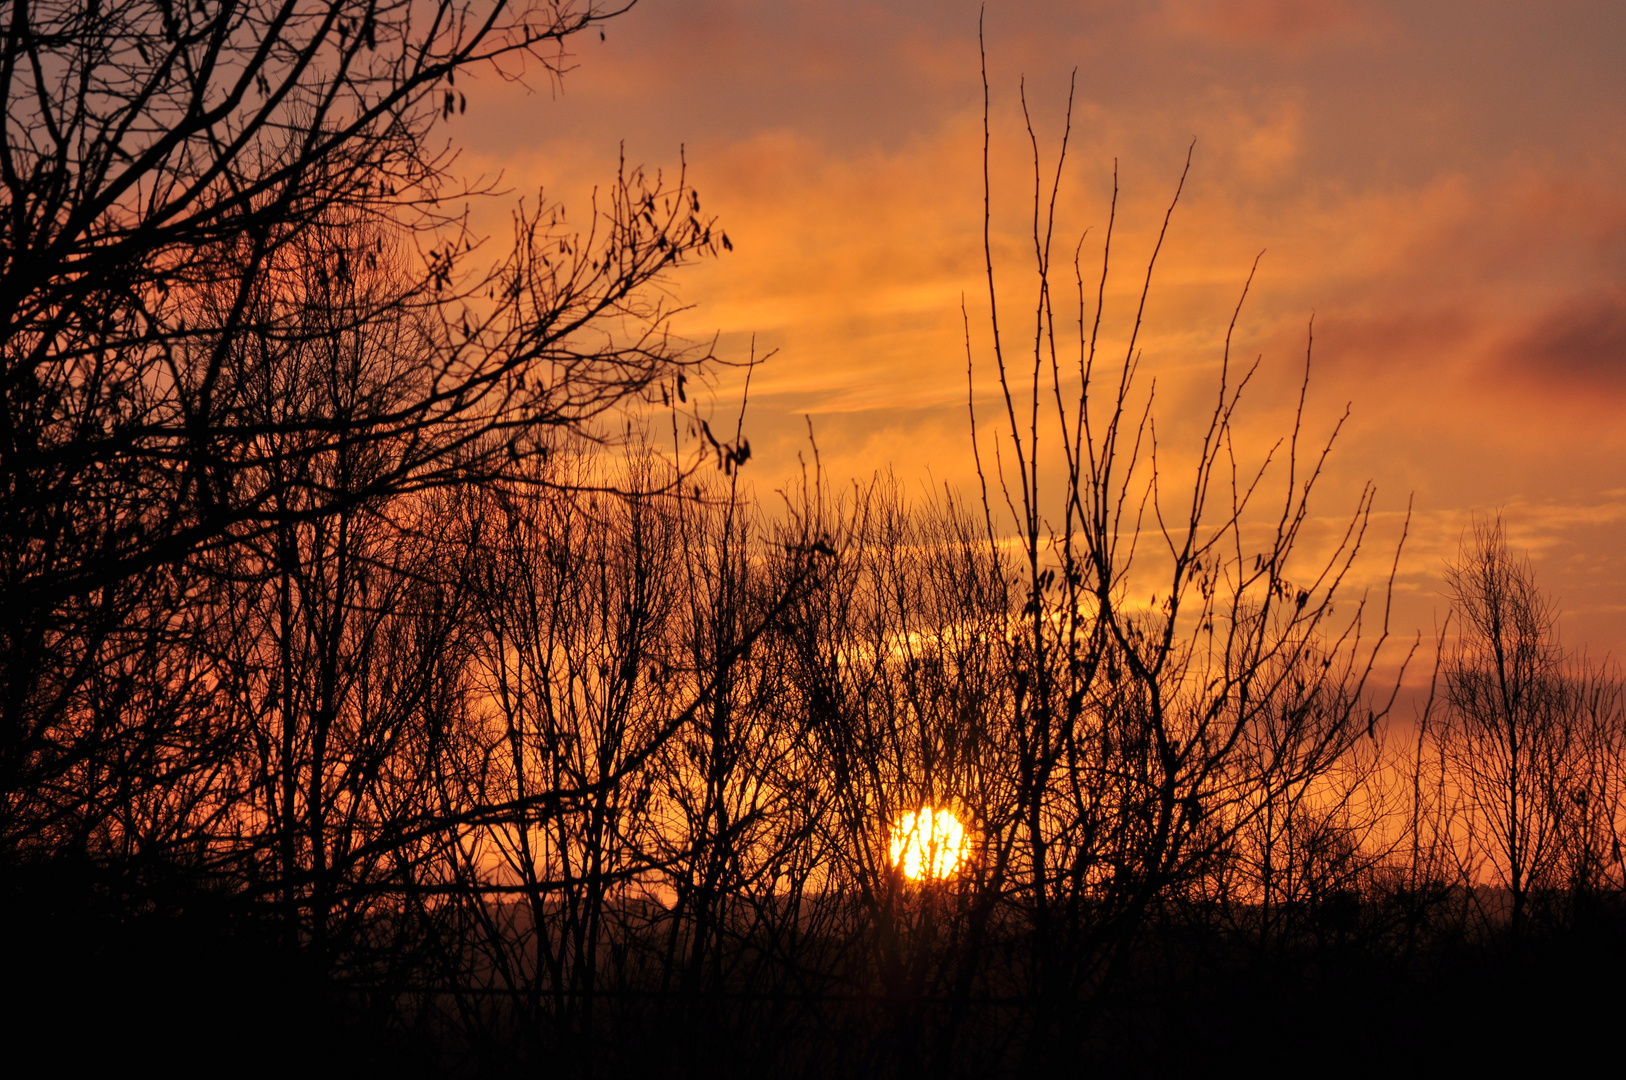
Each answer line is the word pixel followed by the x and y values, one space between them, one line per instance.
pixel 1287 24
pixel 1371 343
pixel 1580 342
pixel 1440 184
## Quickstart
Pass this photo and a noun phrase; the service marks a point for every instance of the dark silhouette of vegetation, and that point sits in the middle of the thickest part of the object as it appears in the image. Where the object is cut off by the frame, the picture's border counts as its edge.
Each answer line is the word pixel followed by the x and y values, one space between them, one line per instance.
pixel 365 699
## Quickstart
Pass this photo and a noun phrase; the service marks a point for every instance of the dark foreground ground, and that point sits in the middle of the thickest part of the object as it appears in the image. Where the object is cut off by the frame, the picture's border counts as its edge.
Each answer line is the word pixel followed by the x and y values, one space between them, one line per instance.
pixel 201 992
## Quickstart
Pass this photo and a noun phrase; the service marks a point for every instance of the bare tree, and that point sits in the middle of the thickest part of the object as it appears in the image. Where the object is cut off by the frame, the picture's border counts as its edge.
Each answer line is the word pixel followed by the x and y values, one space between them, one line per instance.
pixel 1145 735
pixel 898 663
pixel 576 672
pixel 180 182
pixel 1508 735
pixel 1531 737
pixel 1594 862
pixel 617 807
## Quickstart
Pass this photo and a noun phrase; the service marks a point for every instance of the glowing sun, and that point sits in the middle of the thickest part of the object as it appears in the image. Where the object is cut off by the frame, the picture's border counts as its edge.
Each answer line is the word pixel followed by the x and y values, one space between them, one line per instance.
pixel 927 844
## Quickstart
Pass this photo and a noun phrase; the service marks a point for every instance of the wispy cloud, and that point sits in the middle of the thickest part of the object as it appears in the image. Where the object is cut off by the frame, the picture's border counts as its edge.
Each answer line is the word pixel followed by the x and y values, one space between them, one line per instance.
pixel 1441 186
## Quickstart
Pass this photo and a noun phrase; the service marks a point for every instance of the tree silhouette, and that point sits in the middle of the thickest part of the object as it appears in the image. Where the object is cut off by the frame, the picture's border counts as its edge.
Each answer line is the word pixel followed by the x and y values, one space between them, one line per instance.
pixel 342 639
pixel 1531 735
pixel 230 249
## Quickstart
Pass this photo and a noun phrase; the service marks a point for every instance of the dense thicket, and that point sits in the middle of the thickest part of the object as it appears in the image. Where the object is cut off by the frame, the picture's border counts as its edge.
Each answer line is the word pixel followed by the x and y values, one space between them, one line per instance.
pixel 358 697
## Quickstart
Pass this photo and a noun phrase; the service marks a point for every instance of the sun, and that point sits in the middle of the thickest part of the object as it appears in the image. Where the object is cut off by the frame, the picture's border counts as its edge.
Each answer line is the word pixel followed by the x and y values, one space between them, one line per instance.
pixel 927 844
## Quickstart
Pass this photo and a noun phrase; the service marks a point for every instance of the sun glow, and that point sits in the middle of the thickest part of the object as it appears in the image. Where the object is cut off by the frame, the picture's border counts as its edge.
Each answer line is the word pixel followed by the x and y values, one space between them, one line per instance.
pixel 927 844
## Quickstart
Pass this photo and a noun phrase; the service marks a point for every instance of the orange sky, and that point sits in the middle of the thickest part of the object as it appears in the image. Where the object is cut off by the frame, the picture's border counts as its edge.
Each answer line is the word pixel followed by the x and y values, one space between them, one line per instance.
pixel 1442 185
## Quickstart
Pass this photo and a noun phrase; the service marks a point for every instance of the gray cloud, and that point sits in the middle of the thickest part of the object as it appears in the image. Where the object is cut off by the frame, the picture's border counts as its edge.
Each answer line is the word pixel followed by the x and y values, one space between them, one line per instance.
pixel 1580 341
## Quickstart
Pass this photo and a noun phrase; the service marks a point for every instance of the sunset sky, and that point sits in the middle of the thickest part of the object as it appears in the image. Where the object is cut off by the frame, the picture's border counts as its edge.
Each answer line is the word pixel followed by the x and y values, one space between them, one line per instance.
pixel 1441 185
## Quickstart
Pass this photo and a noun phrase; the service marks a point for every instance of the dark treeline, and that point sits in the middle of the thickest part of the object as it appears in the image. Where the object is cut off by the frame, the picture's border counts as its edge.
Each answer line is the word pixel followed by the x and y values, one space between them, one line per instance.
pixel 366 702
